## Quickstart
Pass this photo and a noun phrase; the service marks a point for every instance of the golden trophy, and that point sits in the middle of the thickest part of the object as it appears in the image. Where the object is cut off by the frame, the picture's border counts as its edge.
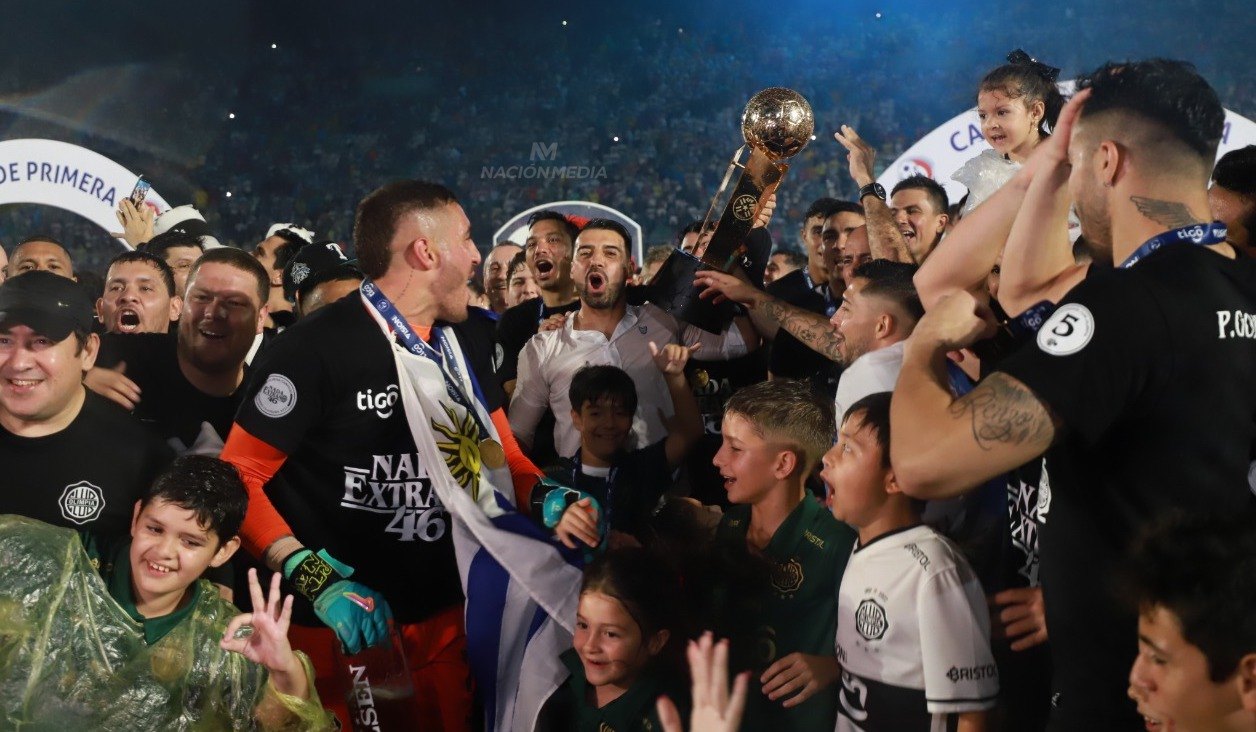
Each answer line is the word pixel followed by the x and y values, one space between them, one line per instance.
pixel 776 125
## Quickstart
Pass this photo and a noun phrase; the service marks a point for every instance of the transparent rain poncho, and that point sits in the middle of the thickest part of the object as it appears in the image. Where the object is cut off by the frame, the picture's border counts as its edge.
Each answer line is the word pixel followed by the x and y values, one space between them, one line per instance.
pixel 71 658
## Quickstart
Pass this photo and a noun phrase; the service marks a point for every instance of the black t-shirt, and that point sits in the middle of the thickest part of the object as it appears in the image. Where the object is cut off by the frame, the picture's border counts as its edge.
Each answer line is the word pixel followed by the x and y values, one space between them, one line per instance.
pixel 791 358
pixel 326 393
pixel 88 476
pixel 641 477
pixel 187 418
pixel 1150 370
pixel 516 326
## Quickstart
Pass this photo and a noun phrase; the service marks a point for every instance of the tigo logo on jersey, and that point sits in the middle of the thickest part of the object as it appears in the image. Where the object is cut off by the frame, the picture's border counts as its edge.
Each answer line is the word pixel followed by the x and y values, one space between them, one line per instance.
pixel 81 502
pixel 277 397
pixel 380 401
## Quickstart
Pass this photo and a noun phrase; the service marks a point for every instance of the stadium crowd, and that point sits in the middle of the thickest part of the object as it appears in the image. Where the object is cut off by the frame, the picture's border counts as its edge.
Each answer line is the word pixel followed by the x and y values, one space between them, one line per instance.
pixel 945 465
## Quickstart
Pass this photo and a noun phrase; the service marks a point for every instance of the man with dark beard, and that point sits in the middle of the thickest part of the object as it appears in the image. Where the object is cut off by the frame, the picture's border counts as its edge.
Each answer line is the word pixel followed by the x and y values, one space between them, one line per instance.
pixel 1138 387
pixel 606 329
pixel 547 251
pixel 187 386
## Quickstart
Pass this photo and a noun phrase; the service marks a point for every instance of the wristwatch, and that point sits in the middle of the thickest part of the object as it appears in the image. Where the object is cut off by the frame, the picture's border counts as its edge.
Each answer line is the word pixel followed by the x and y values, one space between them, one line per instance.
pixel 872 189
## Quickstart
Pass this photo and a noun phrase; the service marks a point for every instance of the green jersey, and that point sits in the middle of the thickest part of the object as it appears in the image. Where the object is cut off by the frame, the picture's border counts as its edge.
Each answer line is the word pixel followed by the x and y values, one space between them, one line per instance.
pixel 797 612
pixel 634 711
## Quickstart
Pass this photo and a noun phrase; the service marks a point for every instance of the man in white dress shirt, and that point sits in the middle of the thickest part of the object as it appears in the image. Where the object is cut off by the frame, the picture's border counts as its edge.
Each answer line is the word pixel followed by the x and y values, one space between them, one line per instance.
pixel 606 330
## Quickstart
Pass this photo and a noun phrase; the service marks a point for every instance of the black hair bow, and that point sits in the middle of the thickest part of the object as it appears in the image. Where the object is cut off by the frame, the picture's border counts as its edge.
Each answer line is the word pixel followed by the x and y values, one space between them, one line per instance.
pixel 1020 58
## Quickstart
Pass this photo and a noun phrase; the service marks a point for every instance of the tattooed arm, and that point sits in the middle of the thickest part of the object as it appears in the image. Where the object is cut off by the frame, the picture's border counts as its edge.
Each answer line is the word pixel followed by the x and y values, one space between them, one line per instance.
pixel 812 329
pixel 768 313
pixel 941 446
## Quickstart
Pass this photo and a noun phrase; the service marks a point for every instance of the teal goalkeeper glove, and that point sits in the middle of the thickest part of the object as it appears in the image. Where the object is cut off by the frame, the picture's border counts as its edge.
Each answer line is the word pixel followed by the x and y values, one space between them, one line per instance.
pixel 358 614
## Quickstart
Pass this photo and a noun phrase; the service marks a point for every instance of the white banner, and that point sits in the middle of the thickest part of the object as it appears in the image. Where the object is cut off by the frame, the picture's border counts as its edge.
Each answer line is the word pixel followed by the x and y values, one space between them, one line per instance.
pixel 941 152
pixel 69 177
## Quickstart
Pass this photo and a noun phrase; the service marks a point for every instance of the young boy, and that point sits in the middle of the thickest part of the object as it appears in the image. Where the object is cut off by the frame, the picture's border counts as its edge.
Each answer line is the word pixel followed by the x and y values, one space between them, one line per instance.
pixel 1194 581
pixel 626 486
pixel 912 626
pixel 155 643
pixel 774 432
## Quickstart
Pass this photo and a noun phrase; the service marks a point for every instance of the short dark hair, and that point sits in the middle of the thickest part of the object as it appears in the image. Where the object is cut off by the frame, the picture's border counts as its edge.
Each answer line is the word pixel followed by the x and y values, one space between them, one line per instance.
pixel 794 257
pixel 893 281
pixel 208 487
pixel 644 584
pixel 611 225
pixel 1165 92
pixel 38 237
pixel 162 243
pixel 874 412
pixel 787 410
pixel 292 243
pixel 838 207
pixel 594 383
pixel 547 215
pixel 693 227
pixel 139 255
pixel 1203 570
pixel 239 259
pixel 1027 81
pixel 1236 171
pixel 375 222
pixel 937 194
pixel 819 207
pixel 517 261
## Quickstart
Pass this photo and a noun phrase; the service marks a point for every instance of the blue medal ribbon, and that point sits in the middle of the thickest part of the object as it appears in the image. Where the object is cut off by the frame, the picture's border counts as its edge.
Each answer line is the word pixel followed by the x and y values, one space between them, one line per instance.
pixel 609 506
pixel 830 305
pixel 444 358
pixel 1196 234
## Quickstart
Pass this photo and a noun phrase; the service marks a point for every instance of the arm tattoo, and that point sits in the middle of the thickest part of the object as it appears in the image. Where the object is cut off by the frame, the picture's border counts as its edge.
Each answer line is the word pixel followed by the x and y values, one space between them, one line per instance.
pixel 1170 214
pixel 884 239
pixel 811 329
pixel 1005 411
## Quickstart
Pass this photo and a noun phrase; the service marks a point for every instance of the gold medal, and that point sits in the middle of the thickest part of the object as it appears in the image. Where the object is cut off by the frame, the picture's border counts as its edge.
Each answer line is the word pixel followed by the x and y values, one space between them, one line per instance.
pixel 492 455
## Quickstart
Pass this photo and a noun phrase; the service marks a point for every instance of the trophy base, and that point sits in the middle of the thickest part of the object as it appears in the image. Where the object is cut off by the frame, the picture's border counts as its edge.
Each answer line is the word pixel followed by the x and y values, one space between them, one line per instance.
pixel 672 290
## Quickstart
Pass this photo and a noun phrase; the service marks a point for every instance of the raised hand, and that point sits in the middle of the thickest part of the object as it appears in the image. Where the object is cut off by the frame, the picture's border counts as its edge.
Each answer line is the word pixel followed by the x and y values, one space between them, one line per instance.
pixel 262 636
pixel 672 357
pixel 861 155
pixel 714 709
pixel 137 223
pixel 957 320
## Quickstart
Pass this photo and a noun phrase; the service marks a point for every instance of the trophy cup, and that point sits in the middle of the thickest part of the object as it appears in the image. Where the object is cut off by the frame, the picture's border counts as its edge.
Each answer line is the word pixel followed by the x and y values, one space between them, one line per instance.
pixel 776 125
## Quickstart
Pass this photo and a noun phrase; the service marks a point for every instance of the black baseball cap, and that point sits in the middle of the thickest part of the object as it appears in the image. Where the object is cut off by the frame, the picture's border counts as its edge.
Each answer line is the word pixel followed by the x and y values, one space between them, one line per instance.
pixel 314 264
pixel 49 304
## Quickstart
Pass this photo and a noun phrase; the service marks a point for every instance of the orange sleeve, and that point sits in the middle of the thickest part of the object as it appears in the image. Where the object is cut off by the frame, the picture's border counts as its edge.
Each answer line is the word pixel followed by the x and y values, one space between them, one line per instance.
pixel 522 472
pixel 257 462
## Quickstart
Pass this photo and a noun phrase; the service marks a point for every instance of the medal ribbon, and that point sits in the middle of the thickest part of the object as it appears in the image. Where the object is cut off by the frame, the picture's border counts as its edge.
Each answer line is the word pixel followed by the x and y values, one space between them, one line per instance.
pixel 412 343
pixel 1197 234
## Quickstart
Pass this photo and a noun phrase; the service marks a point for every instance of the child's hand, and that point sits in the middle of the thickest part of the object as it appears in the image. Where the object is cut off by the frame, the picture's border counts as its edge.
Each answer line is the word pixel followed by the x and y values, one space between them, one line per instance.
pixel 267 643
pixel 1023 619
pixel 579 521
pixel 673 356
pixel 715 708
pixel 801 673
